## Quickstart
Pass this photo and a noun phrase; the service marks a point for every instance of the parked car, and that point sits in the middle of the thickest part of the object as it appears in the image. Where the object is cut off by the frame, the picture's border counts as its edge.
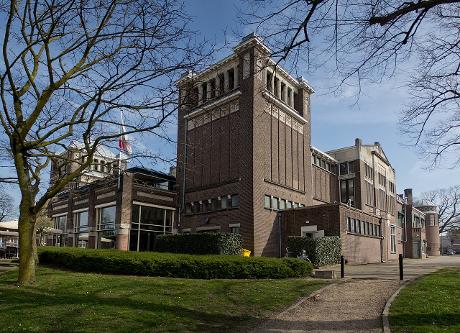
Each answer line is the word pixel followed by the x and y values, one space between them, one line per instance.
pixel 451 252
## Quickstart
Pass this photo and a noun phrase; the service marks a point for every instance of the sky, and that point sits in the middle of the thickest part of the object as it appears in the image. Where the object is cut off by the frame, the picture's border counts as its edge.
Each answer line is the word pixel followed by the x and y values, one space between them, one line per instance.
pixel 337 119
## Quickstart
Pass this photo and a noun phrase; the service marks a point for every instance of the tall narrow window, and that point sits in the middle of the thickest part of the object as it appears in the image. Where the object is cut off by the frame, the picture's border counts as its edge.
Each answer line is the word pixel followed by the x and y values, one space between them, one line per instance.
pixel 283 91
pixel 267 200
pixel 276 86
pixel 235 200
pixel 221 78
pixel 269 81
pixel 212 84
pixel 347 192
pixel 393 238
pixel 231 79
pixel 289 96
pixel 204 90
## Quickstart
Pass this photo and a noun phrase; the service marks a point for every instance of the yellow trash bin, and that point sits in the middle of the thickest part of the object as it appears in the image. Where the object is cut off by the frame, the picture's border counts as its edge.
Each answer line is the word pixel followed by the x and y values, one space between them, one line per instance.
pixel 246 253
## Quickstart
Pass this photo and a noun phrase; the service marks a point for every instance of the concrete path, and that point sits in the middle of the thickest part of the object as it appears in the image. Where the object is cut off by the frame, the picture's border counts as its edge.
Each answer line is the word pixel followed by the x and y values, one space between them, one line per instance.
pixel 390 270
pixel 354 304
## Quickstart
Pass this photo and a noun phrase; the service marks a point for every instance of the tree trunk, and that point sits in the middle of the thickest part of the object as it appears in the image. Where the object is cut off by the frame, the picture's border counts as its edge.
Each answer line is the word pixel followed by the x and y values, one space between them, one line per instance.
pixel 27 247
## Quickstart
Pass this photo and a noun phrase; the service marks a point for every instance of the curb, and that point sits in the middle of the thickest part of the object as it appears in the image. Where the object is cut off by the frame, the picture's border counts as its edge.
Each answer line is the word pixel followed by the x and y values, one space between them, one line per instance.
pixel 386 309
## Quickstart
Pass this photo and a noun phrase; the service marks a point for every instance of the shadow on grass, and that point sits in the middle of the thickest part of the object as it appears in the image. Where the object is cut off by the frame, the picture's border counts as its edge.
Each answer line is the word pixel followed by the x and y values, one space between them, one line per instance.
pixel 421 321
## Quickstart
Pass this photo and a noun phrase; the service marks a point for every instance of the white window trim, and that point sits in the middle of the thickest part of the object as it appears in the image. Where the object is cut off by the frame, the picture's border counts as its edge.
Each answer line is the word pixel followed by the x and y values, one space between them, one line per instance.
pixel 234 225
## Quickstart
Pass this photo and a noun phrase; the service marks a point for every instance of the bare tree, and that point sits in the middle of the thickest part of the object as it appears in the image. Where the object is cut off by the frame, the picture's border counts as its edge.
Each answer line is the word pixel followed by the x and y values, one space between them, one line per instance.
pixel 6 205
pixel 448 202
pixel 371 40
pixel 69 67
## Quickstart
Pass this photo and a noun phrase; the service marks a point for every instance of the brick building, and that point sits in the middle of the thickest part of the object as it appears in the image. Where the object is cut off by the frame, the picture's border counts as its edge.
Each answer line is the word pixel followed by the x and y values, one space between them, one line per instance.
pixel 245 154
pixel 125 213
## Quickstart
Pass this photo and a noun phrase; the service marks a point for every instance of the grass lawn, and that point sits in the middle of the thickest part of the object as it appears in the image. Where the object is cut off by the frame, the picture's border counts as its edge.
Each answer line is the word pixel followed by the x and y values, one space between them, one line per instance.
pixel 431 304
pixel 63 301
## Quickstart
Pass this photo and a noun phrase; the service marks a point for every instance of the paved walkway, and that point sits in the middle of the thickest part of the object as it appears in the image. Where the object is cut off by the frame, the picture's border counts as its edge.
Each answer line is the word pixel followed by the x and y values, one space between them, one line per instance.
pixel 390 270
pixel 354 304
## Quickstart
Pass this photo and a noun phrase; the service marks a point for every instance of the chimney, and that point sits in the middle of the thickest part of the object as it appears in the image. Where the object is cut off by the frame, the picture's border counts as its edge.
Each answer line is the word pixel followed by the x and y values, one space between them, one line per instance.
pixel 172 171
pixel 358 142
pixel 408 195
pixel 376 143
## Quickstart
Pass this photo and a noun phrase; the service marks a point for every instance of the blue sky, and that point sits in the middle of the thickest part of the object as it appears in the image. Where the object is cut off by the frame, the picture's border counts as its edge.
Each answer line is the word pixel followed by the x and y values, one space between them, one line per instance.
pixel 337 119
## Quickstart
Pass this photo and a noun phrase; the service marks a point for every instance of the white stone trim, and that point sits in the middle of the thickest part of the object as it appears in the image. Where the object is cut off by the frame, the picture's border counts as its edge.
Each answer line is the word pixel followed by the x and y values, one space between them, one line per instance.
pixel 140 203
pixel 108 204
pixel 286 108
pixel 80 210
pixel 218 101
pixel 234 225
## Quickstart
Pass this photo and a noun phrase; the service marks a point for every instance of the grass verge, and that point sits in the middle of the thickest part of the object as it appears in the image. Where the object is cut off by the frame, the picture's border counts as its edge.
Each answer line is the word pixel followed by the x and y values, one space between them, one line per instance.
pixel 430 304
pixel 63 301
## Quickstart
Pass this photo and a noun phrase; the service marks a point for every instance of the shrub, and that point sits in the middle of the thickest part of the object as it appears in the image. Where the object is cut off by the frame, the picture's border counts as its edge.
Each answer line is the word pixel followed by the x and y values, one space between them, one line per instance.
pixel 173 265
pixel 321 251
pixel 205 243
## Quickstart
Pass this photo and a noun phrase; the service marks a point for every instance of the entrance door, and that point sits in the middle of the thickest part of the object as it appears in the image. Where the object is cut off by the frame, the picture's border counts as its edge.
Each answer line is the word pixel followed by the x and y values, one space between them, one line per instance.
pixel 416 249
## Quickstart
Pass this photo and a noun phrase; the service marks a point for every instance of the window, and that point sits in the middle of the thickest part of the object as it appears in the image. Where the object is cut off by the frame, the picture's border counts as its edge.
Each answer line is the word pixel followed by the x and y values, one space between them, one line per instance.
pixel 235 198
pixel 221 78
pixel 60 222
pixel 288 204
pixel 212 84
pixel 204 90
pixel 393 238
pixel 362 228
pixel 347 192
pixel 106 218
pixel 378 230
pixel 235 230
pixel 231 79
pixel 277 84
pixel 81 221
pixel 283 91
pixel 343 168
pixel 223 202
pixel 194 98
pixel 195 207
pixel 367 232
pixel 282 204
pixel 348 224
pixel 188 208
pixel 294 205
pixel 275 203
pixel 267 201
pixel 269 81
pixel 215 204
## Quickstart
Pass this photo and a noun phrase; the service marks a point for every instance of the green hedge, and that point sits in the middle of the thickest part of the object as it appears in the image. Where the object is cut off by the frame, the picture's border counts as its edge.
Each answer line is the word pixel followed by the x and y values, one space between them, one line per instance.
pixel 173 265
pixel 204 243
pixel 321 251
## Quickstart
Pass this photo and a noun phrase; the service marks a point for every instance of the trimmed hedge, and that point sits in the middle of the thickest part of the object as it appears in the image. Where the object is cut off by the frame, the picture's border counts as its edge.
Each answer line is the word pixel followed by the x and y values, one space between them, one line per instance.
pixel 321 251
pixel 204 243
pixel 173 265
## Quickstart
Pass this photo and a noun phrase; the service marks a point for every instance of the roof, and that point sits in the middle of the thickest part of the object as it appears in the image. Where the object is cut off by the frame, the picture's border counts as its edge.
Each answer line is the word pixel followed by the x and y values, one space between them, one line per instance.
pixel 150 172
pixel 324 154
pixel 10 225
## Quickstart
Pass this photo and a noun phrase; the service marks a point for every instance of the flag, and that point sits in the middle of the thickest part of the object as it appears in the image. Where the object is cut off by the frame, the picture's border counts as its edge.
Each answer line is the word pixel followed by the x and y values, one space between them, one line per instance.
pixel 123 141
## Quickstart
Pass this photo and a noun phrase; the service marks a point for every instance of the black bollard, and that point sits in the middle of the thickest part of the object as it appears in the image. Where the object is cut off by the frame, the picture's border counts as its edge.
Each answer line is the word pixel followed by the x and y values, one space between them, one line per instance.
pixel 401 267
pixel 342 267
